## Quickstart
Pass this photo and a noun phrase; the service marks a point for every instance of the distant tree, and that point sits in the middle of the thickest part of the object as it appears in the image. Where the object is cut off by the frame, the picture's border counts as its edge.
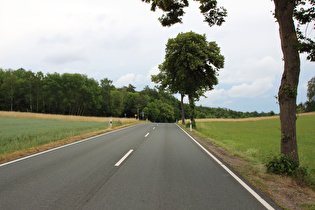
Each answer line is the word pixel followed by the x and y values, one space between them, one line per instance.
pixel 38 91
pixel 129 103
pixel 152 111
pixel 2 93
pixel 301 107
pixel 166 112
pixel 53 93
pixel 130 88
pixel 190 67
pixel 151 93
pixel 9 88
pixel 141 101
pixel 310 104
pixel 117 103
pixel 311 89
pixel 106 87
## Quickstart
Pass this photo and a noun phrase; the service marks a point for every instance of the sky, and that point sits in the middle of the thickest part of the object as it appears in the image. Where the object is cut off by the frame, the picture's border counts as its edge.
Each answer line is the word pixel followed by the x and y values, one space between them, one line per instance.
pixel 124 42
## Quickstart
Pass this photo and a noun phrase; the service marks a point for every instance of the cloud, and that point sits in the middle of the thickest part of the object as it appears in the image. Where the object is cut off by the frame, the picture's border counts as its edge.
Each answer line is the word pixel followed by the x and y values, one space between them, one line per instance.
pixel 251 70
pixel 138 80
pixel 125 80
pixel 215 95
pixel 153 71
pixel 61 59
pixel 252 90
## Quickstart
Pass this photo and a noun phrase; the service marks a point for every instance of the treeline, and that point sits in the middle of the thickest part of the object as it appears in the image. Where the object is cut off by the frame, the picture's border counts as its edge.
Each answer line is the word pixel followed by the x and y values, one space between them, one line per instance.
pixel 206 112
pixel 76 94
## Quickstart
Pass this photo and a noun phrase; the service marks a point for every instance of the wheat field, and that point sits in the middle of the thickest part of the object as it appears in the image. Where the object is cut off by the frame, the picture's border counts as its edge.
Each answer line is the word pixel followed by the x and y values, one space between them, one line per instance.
pixel 248 119
pixel 63 117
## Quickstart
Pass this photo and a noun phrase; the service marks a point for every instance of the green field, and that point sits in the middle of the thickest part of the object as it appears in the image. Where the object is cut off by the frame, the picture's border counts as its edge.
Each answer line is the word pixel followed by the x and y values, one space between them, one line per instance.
pixel 255 140
pixel 23 133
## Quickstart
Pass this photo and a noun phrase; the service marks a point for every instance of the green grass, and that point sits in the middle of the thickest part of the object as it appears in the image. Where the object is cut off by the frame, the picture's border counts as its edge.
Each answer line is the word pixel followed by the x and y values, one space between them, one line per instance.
pixel 255 140
pixel 23 133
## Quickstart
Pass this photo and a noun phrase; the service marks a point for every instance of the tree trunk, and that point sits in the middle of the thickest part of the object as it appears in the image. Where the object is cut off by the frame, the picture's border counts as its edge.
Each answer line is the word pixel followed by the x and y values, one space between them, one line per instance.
pixel 182 107
pixel 290 78
pixel 192 109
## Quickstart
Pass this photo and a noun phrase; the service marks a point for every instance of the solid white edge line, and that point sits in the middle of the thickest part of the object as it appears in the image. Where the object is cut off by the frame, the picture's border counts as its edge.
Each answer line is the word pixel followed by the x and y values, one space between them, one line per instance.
pixel 146 135
pixel 60 147
pixel 250 190
pixel 123 158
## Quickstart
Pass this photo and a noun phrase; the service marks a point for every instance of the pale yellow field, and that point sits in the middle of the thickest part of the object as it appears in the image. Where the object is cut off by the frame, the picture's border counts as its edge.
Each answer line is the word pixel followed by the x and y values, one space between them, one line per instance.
pixel 63 117
pixel 247 119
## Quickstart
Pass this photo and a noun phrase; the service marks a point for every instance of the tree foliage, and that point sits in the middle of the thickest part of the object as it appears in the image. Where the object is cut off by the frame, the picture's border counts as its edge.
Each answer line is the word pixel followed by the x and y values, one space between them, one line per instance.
pixel 174 10
pixel 310 104
pixel 190 66
pixel 304 13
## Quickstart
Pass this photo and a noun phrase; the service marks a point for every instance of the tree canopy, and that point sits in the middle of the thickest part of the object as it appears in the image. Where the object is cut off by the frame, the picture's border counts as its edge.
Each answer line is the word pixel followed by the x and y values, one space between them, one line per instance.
pixel 304 13
pixel 190 67
pixel 174 10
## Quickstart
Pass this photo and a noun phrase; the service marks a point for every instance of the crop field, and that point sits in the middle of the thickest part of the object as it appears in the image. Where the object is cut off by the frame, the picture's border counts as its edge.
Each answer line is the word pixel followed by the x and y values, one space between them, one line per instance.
pixel 256 139
pixel 63 117
pixel 22 131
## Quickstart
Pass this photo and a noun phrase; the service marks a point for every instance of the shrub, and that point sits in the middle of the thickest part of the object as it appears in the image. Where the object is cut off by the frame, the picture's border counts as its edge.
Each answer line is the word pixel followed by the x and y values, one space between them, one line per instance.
pixel 281 164
pixel 193 125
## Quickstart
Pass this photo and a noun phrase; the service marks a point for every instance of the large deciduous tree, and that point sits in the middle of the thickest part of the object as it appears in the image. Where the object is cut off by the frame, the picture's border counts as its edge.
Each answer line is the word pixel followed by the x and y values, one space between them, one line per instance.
pixel 293 42
pixel 190 67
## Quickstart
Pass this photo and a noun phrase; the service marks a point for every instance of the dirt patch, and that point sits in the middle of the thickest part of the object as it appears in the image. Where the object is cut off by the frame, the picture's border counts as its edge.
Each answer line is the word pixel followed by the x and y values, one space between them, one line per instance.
pixel 285 191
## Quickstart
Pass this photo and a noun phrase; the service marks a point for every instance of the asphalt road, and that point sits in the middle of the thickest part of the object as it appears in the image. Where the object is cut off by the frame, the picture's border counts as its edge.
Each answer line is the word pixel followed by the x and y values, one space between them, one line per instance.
pixel 147 166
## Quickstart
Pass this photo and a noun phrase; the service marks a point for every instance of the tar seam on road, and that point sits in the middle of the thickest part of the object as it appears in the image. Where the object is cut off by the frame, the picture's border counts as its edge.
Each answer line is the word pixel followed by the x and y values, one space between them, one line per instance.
pixel 250 190
pixel 123 158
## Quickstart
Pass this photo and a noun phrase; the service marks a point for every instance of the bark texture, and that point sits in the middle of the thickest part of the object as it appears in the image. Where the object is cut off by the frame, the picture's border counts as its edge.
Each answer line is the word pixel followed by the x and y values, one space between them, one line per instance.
pixel 290 78
pixel 182 107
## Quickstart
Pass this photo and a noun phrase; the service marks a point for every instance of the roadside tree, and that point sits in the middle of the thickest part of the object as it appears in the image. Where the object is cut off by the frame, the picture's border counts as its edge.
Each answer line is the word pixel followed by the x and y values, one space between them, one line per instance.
pixel 190 67
pixel 293 42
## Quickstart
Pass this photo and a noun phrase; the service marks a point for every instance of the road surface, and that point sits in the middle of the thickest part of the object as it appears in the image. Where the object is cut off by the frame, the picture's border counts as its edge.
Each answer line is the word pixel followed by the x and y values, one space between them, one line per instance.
pixel 147 166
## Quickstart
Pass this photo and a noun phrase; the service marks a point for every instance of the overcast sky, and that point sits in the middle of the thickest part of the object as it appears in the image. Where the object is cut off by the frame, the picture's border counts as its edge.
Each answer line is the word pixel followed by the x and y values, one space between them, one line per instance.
pixel 122 40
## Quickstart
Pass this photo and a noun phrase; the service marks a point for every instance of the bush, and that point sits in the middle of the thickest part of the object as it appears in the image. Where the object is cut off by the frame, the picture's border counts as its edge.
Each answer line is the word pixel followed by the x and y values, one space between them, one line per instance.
pixel 193 125
pixel 281 164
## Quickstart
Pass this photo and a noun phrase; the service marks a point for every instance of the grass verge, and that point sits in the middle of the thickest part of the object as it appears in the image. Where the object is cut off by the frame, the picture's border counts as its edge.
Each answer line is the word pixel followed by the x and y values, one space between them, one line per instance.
pixel 246 144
